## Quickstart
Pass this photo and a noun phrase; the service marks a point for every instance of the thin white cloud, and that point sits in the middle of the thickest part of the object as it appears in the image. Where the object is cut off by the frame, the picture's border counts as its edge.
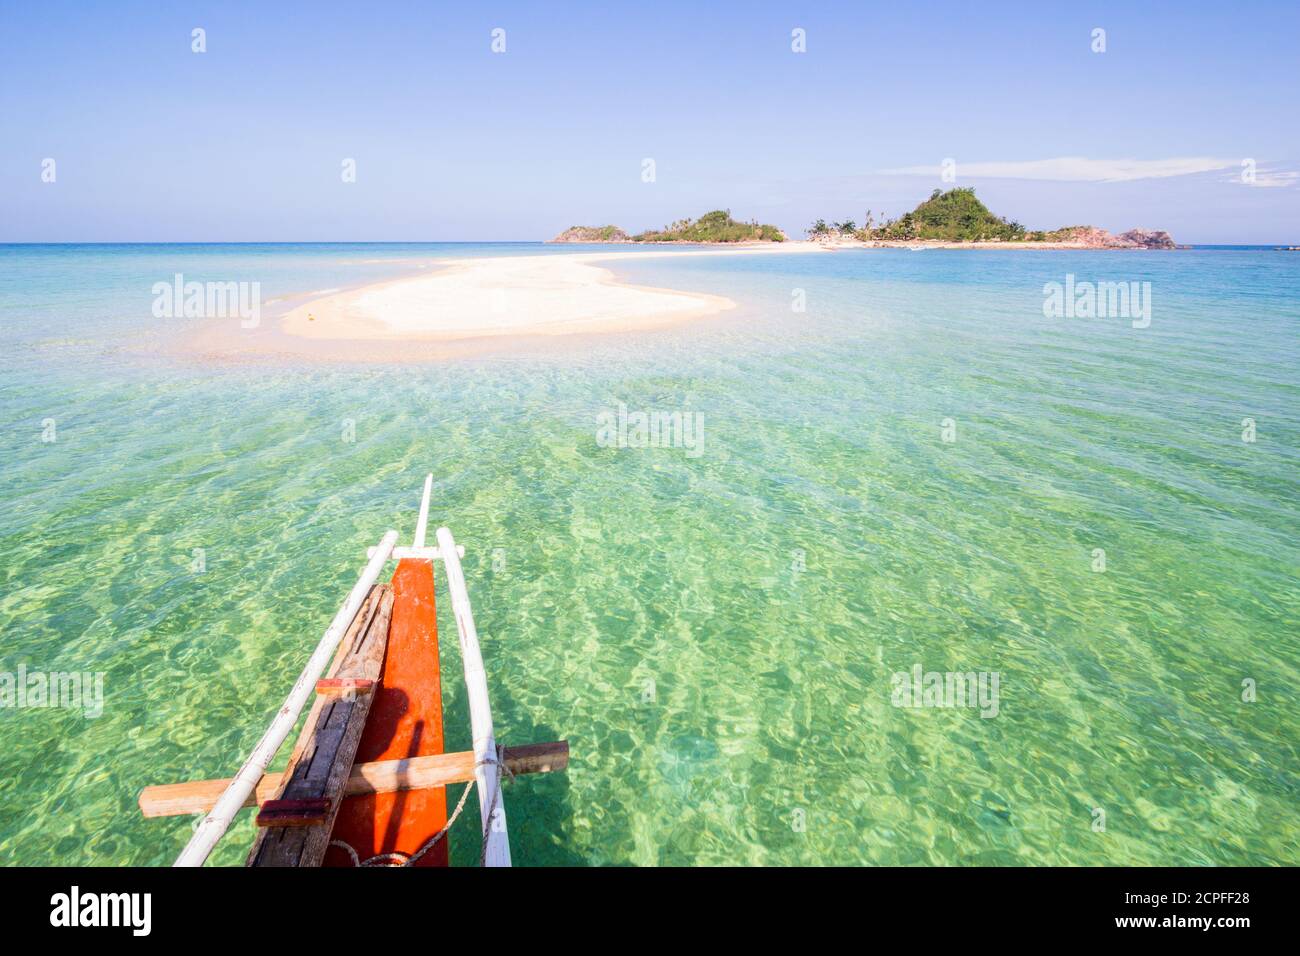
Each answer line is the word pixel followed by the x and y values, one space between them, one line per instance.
pixel 1077 169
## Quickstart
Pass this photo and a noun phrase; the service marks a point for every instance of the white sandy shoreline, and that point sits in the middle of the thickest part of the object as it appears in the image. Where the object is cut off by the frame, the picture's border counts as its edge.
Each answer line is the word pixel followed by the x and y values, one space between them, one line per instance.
pixel 552 294
pixel 467 305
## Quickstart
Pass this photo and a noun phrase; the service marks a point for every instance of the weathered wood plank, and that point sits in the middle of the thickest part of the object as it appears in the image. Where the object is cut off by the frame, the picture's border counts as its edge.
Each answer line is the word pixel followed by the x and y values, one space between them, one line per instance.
pixel 292 813
pixel 322 760
pixel 381 776
pixel 367 665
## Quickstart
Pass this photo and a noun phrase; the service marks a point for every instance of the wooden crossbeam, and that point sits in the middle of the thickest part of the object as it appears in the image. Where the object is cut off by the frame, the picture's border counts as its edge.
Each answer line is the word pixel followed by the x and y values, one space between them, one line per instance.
pixel 381 776
pixel 343 686
pixel 417 553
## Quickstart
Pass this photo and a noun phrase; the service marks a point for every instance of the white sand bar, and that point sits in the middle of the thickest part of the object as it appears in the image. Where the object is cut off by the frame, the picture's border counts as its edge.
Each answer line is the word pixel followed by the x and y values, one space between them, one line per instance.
pixel 514 295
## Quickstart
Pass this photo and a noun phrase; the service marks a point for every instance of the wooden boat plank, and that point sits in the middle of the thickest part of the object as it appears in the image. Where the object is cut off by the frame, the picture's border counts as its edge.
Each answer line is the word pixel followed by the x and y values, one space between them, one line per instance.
pixel 405 722
pixel 322 760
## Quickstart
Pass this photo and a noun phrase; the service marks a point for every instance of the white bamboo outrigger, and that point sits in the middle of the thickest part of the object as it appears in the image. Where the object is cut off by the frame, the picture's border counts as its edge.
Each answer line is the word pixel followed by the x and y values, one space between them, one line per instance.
pixel 243 789
pixel 215 824
pixel 487 772
pixel 422 522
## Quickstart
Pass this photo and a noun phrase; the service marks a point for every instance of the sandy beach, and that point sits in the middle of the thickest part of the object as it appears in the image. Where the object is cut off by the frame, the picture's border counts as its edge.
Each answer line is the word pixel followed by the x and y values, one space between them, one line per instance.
pixel 468 306
pixel 511 295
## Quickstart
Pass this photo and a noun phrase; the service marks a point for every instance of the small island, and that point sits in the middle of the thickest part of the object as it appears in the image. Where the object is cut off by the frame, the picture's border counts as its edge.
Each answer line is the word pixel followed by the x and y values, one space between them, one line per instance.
pixel 593 234
pixel 716 226
pixel 957 217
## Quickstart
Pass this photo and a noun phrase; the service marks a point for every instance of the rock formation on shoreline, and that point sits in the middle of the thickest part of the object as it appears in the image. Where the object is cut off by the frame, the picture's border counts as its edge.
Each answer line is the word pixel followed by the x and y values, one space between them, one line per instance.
pixel 1090 237
pixel 1148 239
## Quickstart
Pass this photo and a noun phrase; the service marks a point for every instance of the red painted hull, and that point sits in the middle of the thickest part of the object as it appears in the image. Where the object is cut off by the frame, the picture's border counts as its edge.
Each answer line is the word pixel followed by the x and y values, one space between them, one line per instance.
pixel 405 721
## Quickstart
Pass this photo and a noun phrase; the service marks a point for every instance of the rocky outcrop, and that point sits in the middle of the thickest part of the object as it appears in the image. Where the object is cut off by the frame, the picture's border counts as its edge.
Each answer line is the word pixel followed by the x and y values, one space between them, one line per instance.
pixel 1090 237
pixel 1147 239
pixel 593 234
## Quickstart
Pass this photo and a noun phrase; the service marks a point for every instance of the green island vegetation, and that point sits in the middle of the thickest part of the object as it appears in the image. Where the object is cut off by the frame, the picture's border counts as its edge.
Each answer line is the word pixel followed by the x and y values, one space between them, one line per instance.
pixel 1064 234
pixel 608 233
pixel 716 226
pixel 952 216
pixel 957 216
pixel 592 234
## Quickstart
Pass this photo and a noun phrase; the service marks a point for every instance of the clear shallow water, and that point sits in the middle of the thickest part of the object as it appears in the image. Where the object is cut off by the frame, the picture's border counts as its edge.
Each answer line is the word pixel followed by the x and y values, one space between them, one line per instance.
pixel 721 705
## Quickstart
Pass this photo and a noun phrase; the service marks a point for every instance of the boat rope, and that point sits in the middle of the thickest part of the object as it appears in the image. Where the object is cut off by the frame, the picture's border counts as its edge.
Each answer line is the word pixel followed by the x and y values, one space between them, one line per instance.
pixel 399 859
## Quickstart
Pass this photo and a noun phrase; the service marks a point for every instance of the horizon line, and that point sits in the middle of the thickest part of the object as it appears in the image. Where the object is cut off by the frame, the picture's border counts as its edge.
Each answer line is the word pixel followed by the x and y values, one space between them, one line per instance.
pixel 464 242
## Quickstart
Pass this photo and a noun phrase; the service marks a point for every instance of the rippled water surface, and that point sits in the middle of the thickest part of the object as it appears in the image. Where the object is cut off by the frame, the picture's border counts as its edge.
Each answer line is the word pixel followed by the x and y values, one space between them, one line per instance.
pixel 714 630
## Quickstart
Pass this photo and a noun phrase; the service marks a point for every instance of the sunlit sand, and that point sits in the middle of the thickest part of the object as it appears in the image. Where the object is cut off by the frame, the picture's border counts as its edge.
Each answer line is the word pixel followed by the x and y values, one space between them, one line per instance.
pixel 532 295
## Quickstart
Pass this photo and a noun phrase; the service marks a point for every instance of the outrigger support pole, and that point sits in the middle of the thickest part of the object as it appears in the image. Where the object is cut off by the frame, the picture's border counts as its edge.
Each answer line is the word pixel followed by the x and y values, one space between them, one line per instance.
pixel 214 825
pixel 487 771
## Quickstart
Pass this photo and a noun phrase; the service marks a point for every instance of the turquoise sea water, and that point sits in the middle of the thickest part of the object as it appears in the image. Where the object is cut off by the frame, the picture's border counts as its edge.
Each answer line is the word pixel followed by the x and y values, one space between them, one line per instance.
pixel 715 633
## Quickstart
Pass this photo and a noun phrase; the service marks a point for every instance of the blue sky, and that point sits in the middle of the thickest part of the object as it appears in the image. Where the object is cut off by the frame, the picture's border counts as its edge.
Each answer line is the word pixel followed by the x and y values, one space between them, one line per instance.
pixel 245 142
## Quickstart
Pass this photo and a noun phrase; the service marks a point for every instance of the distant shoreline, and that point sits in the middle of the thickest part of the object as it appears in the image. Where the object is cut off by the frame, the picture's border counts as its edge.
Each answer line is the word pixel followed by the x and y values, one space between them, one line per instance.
pixel 955 216
pixel 982 244
pixel 1201 246
pixel 830 245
